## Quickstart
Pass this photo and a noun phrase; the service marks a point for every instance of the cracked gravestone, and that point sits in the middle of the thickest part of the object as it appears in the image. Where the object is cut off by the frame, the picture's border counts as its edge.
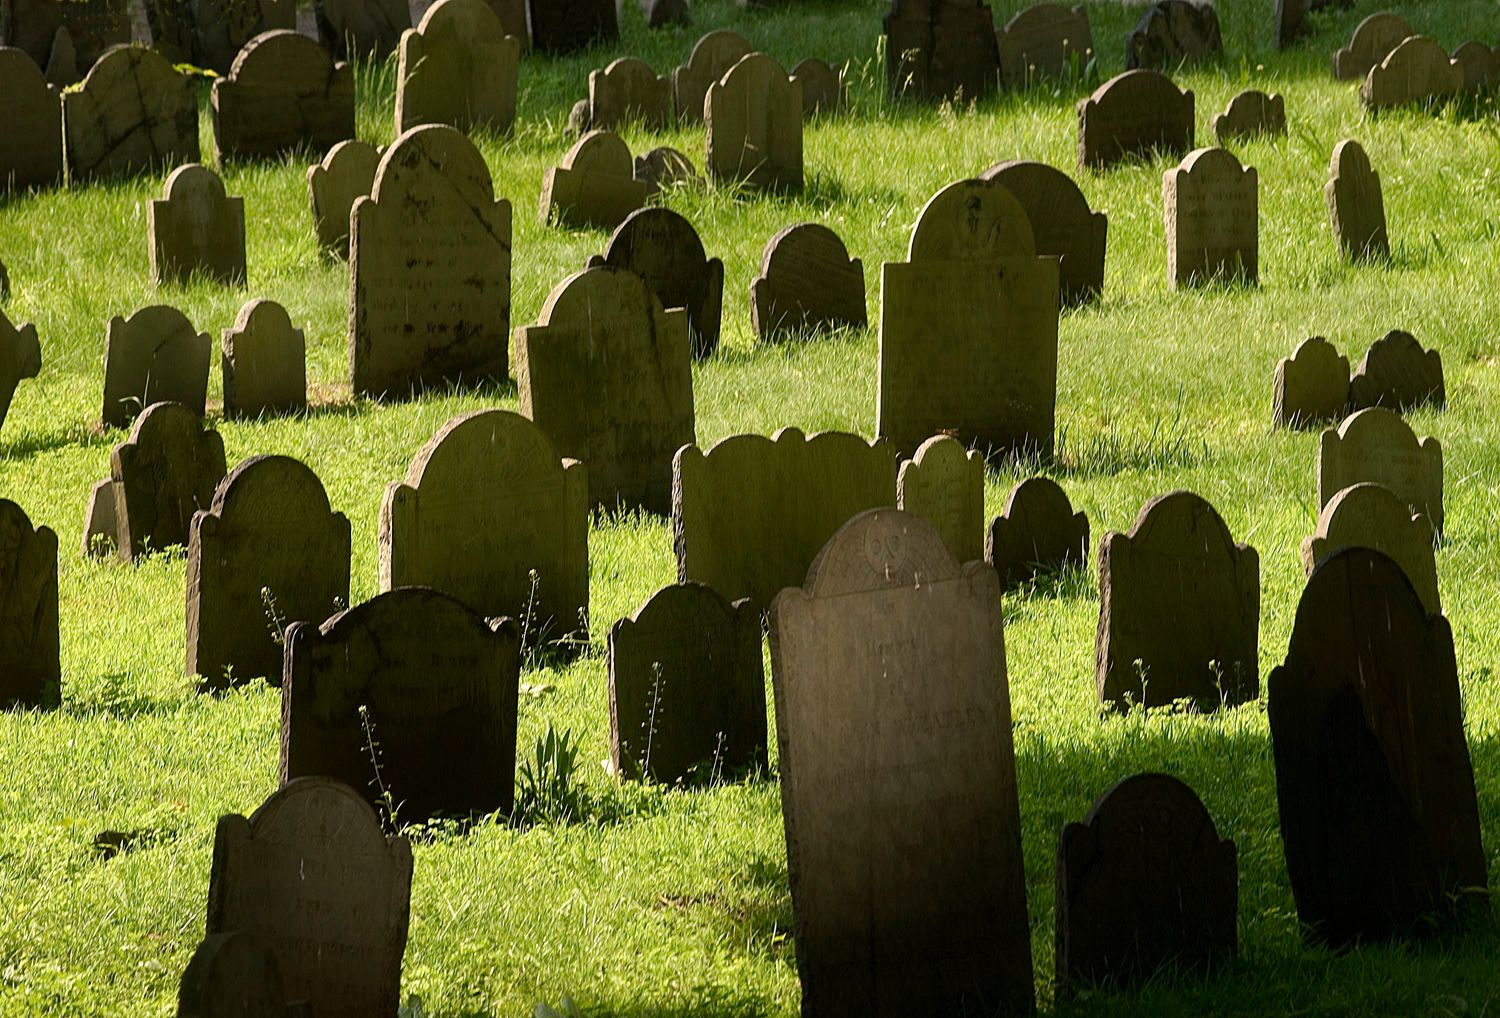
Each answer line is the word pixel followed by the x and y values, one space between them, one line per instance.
pixel 944 485
pixel 264 363
pixel 166 471
pixel 1371 516
pixel 1062 224
pixel 283 93
pixel 754 120
pixel 594 186
pixel 196 230
pixel 30 654
pixel 1311 386
pixel 1134 114
pixel 1377 445
pixel 133 112
pixel 458 67
pixel 662 247
pixel 346 174
pixel 154 356
pixel 1036 532
pixel 808 284
pixel 1210 204
pixel 31 145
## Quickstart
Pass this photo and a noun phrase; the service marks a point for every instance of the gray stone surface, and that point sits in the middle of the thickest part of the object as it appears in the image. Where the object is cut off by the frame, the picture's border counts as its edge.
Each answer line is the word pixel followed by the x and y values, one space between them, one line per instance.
pixel 1174 32
pixel 344 176
pixel 1046 40
pixel 1251 114
pixel 1371 516
pixel 1399 374
pixel 710 60
pixel 20 358
pixel 1372 42
pixel 1062 225
pixel 662 247
pixel 944 485
pixel 595 185
pixel 232 975
pixel 1417 71
pixel 1355 205
pixel 1311 386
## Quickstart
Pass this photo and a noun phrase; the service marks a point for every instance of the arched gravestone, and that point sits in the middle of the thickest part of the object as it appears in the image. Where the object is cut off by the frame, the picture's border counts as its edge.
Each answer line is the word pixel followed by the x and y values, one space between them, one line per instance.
pixel 921 789
pixel 1036 531
pixel 31 146
pixel 63 37
pixel 196 230
pixel 594 186
pixel 711 59
pixel 30 654
pixel 154 356
pixel 1062 225
pixel 687 690
pixel 662 247
pixel 1134 114
pixel 284 92
pixel 1377 445
pixel 754 120
pixel 1372 42
pixel 807 284
pixel 1416 71
pixel 1173 32
pixel 1311 386
pixel 1371 516
pixel 822 86
pixel 1355 206
pixel 1376 792
pixel 361 28
pixel 662 168
pixel 268 551
pixel 1179 611
pixel 346 174
pixel 1397 373
pixel 937 50
pixel 944 485
pixel 968 328
pixel 458 67
pixel 429 267
pixel 134 111
pixel 1118 929
pixel 1211 207
pixel 627 91
pixel 264 362
pixel 1479 63
pixel 562 26
pixel 751 513
pixel 164 473
pixel 312 877
pixel 20 357
pixel 487 505
pixel 1250 114
pixel 1046 40
pixel 232 975
pixel 607 374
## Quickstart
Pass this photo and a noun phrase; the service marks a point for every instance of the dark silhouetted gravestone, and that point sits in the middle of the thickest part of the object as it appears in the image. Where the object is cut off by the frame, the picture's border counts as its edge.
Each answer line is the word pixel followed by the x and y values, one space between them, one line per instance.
pixel 132 113
pixel 211 33
pixel 1355 205
pixel 1377 445
pixel 264 361
pixel 100 537
pixel 31 144
pixel 822 86
pixel 1397 373
pixel 807 284
pixel 1372 42
pixel 1046 40
pixel 1211 208
pixel 153 356
pixel 1311 386
pixel 164 473
pixel 944 484
pixel 941 49
pixel 662 247
pixel 1250 114
pixel 562 26
pixel 921 790
pixel 361 28
pixel 233 975
pixel 1062 225
pixel 595 185
pixel 1037 531
pixel 1134 114
pixel 1173 32
pixel 458 67
pixel 627 91
pixel 20 358
pixel 754 121
pixel 63 37
pixel 30 655
pixel 1417 71
pixel 1479 63
pixel 1371 516
pixel 284 92
pixel 344 176
pixel 1287 20
pixel 662 168
pixel 196 230
pixel 711 59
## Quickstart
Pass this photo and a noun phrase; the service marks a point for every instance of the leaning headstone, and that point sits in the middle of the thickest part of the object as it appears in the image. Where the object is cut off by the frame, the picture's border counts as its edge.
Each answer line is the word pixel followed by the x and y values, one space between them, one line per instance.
pixel 562 26
pixel 100 535
pixel 1311 386
pixel 1372 42
pixel 1417 71
pixel 1211 208
pixel 458 67
pixel 264 362
pixel 1062 224
pixel 1136 113
pixel 1250 114
pixel 1479 63
pixel 20 357
pixel 754 120
pixel 30 654
pixel 1377 445
pixel 312 877
pixel 594 186
pixel 429 266
pixel 153 356
pixel 933 920
pixel 196 230
pixel 662 247
pixel 164 473
pixel 1174 32
pixel 710 60
pixel 944 484
pixel 64 37
pixel 807 284
pixel 31 144
pixel 939 50
pixel 232 975
pixel 1355 206
pixel 662 168
pixel 822 86
pixel 627 91
pixel 1046 40
pixel 1371 516
pixel 283 93
pixel 1379 817
pixel 1397 373
pixel 361 28
pixel 344 176
pixel 134 111
pixel 1179 610
pixel 1036 532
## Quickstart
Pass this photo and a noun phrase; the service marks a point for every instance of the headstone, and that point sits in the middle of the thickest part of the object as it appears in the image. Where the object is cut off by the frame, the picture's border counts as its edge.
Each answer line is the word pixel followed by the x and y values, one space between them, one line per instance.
pixel 687 690
pixel 1397 373
pixel 944 485
pixel 750 514
pixel 1062 224
pixel 1288 17
pixel 31 145
pixel 1480 65
pixel 154 356
pixel 607 373
pixel 64 37
pixel 754 120
pixel 1251 113
pixel 1377 445
pixel 1137 113
pixel 61 69
pixel 807 284
pixel 458 67
pixel 822 86
pixel 512 14
pixel 345 175
pixel 1379 817
pixel 361 28
pixel 429 265
pixel 20 357
pixel 627 91
pixel 968 328
pixel 312 877
pixel 921 789
pixel 30 654
pixel 264 362
pixel 100 537
pixel 164 473
pixel 491 514
pixel 660 13
pixel 232 975
pixel 1311 386
pixel 1355 206
pixel 562 26
pixel 134 111
pixel 283 93
pixel 1046 40
pixel 662 247
pixel 710 60
pixel 1417 71
pixel 1036 532
pixel 1371 516
pixel 664 168
pixel 938 50
pixel 211 33
pixel 1172 33
pixel 1210 204
pixel 196 230
pixel 1373 40
pixel 594 186
pixel 1179 610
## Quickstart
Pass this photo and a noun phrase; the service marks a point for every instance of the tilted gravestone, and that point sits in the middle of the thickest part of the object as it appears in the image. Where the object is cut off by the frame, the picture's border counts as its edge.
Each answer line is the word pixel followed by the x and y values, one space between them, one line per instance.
pixel 196 230
pixel 491 514
pixel 807 284
pixel 64 37
pixel 1371 516
pixel 264 362
pixel 344 176
pixel 361 28
pixel 1379 818
pixel 921 789
pixel 937 50
pixel 822 86
pixel 20 358
pixel 283 93
pixel 662 168
pixel 1133 114
pixel 1372 42
pixel 1250 114
pixel 1311 386
pixel 627 91
pixel 687 691
pixel 1046 40
pixel 1417 71
pixel 1397 373
pixel 426 679
pixel 562 26
pixel 1179 614
pixel 429 265
pixel 662 247
pixel 30 647
pixel 458 67
pixel 31 145
pixel 1174 32
pixel 1062 224
pixel 754 121
pixel 711 59
pixel 164 473
pixel 267 552
pixel 154 356
pixel 607 374
pixel 1211 209
pixel 134 111
pixel 594 186
pixel 1377 445
pixel 313 877
pixel 944 484
pixel 1479 63
pixel 1036 532
pixel 968 328
pixel 233 975
pixel 1355 206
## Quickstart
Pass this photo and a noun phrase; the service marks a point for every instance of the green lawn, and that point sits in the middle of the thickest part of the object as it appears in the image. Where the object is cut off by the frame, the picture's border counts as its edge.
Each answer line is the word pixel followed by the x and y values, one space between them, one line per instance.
pixel 677 903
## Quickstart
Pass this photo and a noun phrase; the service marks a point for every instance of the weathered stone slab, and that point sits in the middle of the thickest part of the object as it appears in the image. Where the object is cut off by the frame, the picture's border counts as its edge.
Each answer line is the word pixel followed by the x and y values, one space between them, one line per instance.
pixel 1250 114
pixel 264 361
pixel 458 67
pixel 711 59
pixel 1372 42
pixel 100 537
pixel 284 92
pixel 594 186
pixel 30 655
pixel 1179 613
pixel 921 789
pixel 20 358
pixel 754 120
pixel 63 37
pixel 1377 445
pixel 164 473
pixel 1172 33
pixel 1480 65
pixel 1397 373
pixel 822 86
pixel 1311 386
pixel 133 112
pixel 154 356
pixel 1287 17
pixel 1211 210
pixel 1355 206
pixel 1417 71
pixel 562 26
pixel 662 247
pixel 937 50
pixel 1137 113
pixel 232 975
pixel 1036 532
pixel 625 92
pixel 344 176
pixel 944 485
pixel 31 146
pixel 196 230
pixel 664 168
pixel 807 284
pixel 1046 40
pixel 1062 224
pixel 1371 516
pixel 361 28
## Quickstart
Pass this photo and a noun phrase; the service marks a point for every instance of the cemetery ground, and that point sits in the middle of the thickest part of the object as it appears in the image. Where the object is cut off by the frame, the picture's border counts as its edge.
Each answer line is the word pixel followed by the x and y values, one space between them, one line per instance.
pixel 642 901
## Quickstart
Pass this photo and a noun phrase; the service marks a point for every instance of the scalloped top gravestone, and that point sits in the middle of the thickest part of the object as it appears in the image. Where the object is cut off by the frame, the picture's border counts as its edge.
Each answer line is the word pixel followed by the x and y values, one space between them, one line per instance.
pixel 563 26
pixel 822 86
pixel 284 92
pixel 1046 40
pixel 1174 32
pixel 1250 114
pixel 164 473
pixel 1211 208
pixel 31 146
pixel 1416 71
pixel 1377 445
pixel 1133 114
pixel 754 121
pixel 937 50
pixel 1355 206
pixel 20 357
pixel 1062 224
pixel 944 484
pixel 1311 386
pixel 64 37
pixel 264 362
pixel 1371 516
pixel 1372 42
pixel 361 28
pixel 154 356
pixel 458 67
pixel 1397 373
pixel 662 168
pixel 232 975
pixel 594 186
pixel 711 58
pixel 346 174
pixel 30 647
pixel 1036 531
pixel 807 284
pixel 626 91
pixel 133 112
pixel 662 247
pixel 196 230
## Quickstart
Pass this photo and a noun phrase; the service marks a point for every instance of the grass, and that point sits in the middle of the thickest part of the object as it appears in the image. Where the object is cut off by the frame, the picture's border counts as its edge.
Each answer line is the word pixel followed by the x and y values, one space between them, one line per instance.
pixel 668 903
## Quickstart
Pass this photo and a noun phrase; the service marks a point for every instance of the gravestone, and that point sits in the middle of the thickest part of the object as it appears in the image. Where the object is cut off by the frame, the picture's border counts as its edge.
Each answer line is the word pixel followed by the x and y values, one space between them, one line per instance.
pixel 750 514
pixel 1062 224
pixel 30 647
pixel 361 28
pixel 31 145
pixel 1036 532
pixel 939 50
pixel 1046 40
pixel 283 93
pixel 1379 817
pixel 133 112
pixel 312 877
pixel 944 485
pixel 1210 205
pixel 1250 114
pixel 489 513
pixel 627 91
pixel 154 356
pixel 1377 445
pixel 1137 113
pixel 100 538
pixel 1287 17
pixel 664 168
pixel 211 33
pixel 1371 516
pixel 196 230
pixel 711 59
pixel 346 174
pixel 822 86
pixel 264 362
pixel 164 473
pixel 660 13
pixel 1172 33
pixel 1355 206
pixel 1399 374
pixel 1179 613
pixel 425 677
pixel 807 284
pixel 512 14
pixel 1311 386
pixel 968 328
pixel 921 789
pixel 232 975
pixel 607 374
pixel 687 691
pixel 62 60
pixel 1372 42
pixel 594 186
pixel 562 26
pixel 754 120
pixel 458 67
pixel 63 37
pixel 429 266
pixel 662 247
pixel 1479 63
pixel 1115 929
pixel 20 358
pixel 1417 71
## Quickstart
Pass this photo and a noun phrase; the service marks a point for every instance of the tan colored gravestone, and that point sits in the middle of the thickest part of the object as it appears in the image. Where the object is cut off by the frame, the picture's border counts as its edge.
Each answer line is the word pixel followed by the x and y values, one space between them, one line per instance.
pixel 807 284
pixel 1179 614
pixel 267 552
pixel 594 186
pixel 662 247
pixel 1037 532
pixel 1133 114
pixel 20 357
pixel 458 67
pixel 1174 32
pixel 1399 374
pixel 664 168
pixel 1311 386
pixel 429 269
pixel 344 176
pixel 232 975
pixel 1372 42
pixel 1377 445
pixel 1210 204
pixel 100 537
pixel 361 28
pixel 968 328
pixel 30 656
pixel 627 91
pixel 31 143
pixel 1417 71
pixel 1062 225
pixel 133 112
pixel 489 513
pixel 164 473
pixel 1250 114
pixel 944 485
pixel 1355 206
pixel 1480 65
pixel 940 50
pixel 1046 40
pixel 711 59
pixel 264 361
pixel 1371 516
pixel 196 230
pixel 153 356
pixel 822 86
pixel 754 120
pixel 283 92
pixel 920 788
